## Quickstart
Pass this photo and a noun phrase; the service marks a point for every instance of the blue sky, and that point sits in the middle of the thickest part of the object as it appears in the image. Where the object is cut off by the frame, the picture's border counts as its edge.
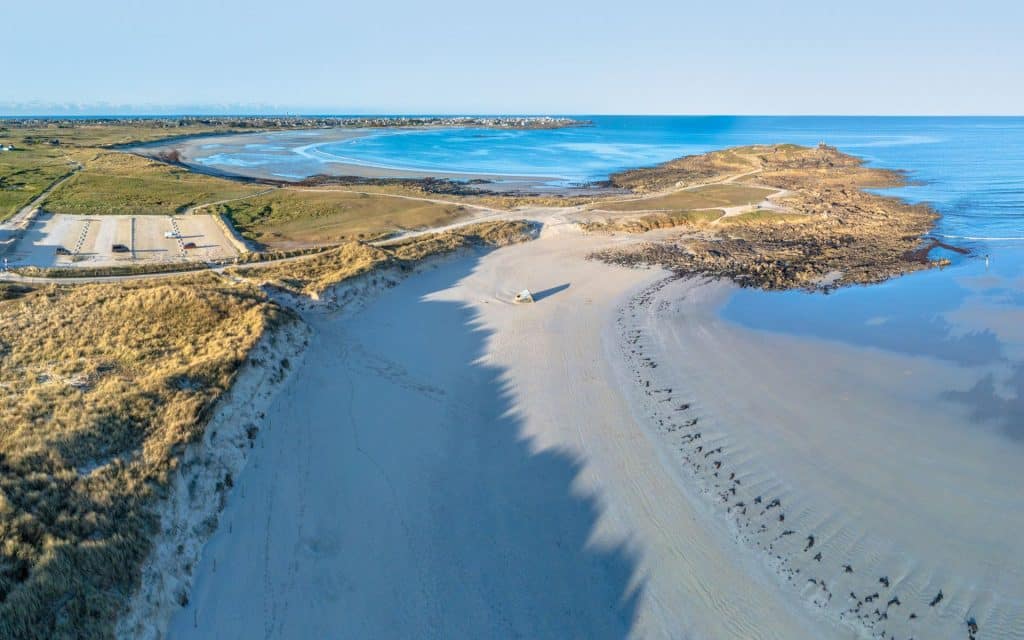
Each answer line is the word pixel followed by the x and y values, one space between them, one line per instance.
pixel 316 56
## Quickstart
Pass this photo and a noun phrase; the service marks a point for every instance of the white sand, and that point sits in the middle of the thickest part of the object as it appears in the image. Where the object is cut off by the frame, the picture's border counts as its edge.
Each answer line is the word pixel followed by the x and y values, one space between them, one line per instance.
pixel 449 464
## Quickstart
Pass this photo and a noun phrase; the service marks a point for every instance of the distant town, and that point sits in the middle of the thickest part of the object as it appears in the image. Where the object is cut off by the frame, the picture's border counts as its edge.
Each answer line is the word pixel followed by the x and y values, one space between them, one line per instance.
pixel 302 122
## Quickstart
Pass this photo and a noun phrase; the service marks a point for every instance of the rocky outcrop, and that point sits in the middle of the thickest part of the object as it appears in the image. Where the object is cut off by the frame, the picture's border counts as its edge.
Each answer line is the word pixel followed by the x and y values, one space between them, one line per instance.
pixel 840 234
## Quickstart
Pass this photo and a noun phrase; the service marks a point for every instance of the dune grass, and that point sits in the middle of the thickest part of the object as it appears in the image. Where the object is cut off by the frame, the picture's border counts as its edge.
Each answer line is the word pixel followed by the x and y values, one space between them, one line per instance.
pixel 311 275
pixel 652 221
pixel 288 217
pixel 765 216
pixel 102 387
pixel 126 184
pixel 711 196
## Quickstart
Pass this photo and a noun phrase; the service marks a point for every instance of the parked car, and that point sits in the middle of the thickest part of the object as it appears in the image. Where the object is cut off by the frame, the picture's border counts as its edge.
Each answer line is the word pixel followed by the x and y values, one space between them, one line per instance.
pixel 120 248
pixel 61 251
pixel 189 245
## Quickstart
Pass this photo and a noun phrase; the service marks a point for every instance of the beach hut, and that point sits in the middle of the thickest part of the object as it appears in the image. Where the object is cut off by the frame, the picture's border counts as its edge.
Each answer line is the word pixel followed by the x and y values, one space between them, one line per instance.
pixel 524 296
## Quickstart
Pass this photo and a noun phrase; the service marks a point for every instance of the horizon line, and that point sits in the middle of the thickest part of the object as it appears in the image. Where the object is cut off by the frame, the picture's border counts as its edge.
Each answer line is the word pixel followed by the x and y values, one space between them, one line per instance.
pixel 452 114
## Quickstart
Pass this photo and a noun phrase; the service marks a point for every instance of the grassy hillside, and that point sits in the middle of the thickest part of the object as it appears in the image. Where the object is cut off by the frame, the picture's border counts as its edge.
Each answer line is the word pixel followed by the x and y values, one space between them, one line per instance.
pixel 102 386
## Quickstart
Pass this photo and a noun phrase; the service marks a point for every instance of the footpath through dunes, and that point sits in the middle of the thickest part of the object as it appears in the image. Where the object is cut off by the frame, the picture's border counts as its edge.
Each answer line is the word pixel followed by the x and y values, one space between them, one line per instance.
pixel 429 471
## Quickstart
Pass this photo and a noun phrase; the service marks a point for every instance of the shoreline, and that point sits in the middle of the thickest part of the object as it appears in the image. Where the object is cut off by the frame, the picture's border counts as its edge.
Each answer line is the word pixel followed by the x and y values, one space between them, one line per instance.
pixel 840 499
pixel 189 156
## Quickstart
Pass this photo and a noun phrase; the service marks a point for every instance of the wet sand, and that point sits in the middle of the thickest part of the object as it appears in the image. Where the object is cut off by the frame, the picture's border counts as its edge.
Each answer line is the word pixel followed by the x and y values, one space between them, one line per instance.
pixel 849 470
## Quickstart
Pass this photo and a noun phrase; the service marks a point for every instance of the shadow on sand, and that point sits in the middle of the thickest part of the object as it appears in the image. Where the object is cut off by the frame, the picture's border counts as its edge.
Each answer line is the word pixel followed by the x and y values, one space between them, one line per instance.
pixel 540 295
pixel 395 496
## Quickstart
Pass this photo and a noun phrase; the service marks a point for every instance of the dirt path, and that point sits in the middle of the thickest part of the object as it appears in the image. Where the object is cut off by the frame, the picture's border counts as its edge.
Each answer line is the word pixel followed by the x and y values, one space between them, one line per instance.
pixel 192 210
pixel 23 214
pixel 468 205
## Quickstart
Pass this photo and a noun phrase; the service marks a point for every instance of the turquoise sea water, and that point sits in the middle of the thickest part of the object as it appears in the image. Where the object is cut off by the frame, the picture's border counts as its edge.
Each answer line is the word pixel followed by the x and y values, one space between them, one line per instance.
pixel 970 169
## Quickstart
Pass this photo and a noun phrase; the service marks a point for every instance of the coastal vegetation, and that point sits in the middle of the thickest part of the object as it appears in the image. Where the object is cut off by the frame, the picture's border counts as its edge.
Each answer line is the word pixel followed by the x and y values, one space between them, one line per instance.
pixel 705 197
pixel 653 221
pixel 27 172
pixel 47 150
pixel 823 231
pixel 120 183
pixel 106 181
pixel 311 275
pixel 290 217
pixel 103 387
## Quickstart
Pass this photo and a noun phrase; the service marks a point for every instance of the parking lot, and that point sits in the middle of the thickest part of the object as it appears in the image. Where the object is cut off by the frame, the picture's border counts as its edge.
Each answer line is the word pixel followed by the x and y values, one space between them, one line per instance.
pixel 54 239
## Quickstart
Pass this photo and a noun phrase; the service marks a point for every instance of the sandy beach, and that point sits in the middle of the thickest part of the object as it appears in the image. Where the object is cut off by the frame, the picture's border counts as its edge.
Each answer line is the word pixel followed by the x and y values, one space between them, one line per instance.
pixel 612 461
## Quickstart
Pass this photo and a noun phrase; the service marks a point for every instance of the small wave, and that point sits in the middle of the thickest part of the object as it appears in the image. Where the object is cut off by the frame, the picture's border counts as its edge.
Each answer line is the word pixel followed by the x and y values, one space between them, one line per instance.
pixel 991 238
pixel 315 152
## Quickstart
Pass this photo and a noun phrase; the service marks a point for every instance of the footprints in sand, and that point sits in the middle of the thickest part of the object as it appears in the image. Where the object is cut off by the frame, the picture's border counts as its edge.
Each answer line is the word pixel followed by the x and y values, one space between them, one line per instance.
pixel 876 606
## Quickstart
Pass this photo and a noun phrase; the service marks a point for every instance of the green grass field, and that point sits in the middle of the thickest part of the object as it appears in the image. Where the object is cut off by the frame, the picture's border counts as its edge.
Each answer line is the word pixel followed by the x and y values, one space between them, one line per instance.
pixel 103 134
pixel 293 218
pixel 44 154
pixel 121 183
pixel 26 172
